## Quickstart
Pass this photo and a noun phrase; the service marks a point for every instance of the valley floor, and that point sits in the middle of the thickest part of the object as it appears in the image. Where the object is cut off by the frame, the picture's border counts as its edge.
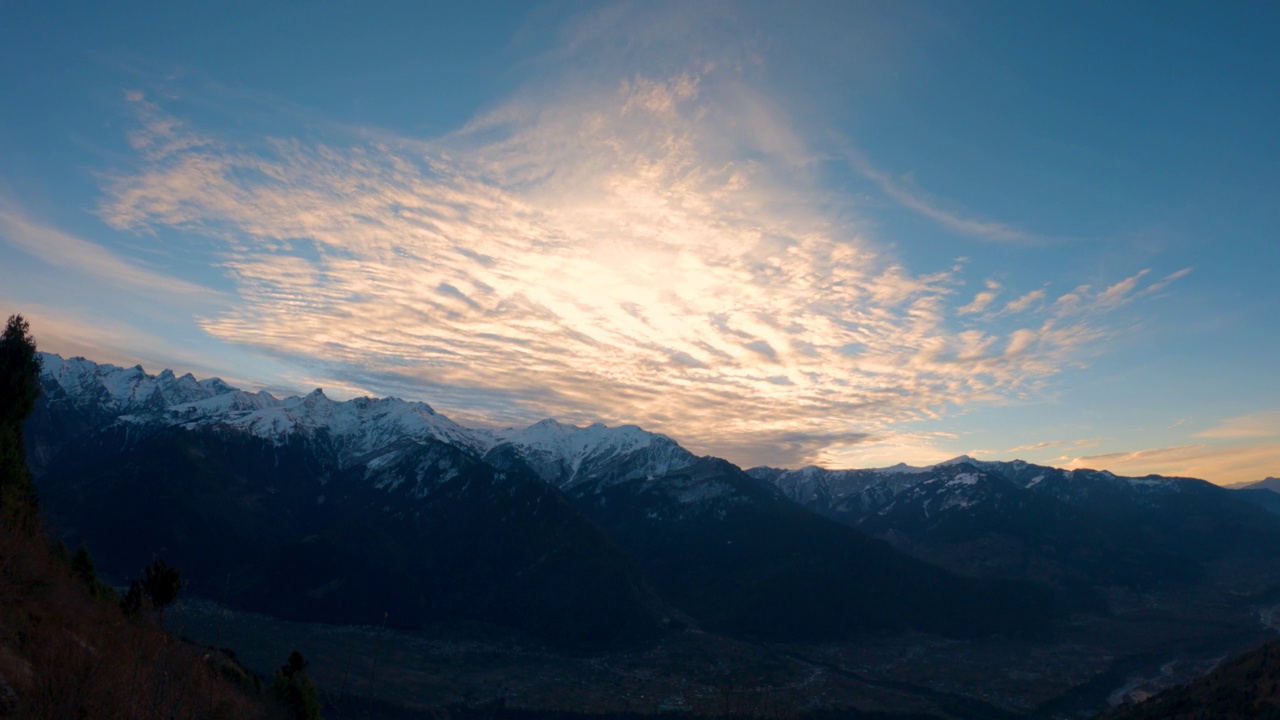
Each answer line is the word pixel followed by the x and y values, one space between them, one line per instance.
pixel 1152 641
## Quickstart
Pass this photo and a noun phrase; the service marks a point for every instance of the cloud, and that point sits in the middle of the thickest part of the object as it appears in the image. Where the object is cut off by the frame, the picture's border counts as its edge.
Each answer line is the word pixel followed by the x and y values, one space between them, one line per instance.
pixel 981 300
pixel 921 204
pixel 1217 464
pixel 1255 425
pixel 90 260
pixel 1245 448
pixel 1121 292
pixel 1156 287
pixel 1024 302
pixel 655 252
pixel 1035 446
pixel 104 337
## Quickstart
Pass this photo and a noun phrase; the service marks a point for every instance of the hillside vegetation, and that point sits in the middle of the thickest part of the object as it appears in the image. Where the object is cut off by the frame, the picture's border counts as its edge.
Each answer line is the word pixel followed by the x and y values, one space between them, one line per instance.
pixel 69 646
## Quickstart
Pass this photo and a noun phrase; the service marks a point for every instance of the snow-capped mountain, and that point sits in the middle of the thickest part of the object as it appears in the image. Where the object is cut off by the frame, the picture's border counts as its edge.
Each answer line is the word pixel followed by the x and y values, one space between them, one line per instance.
pixel 110 390
pixel 359 430
pixel 296 495
pixel 1073 529
pixel 320 509
pixel 850 495
pixel 566 455
pixel 328 510
pixel 843 495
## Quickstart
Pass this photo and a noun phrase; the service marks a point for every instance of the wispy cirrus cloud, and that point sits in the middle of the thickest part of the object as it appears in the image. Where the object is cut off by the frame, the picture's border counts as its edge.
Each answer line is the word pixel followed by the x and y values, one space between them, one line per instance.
pixel 922 204
pixel 1254 425
pixel 1243 448
pixel 654 252
pixel 1035 446
pixel 1222 464
pixel 88 259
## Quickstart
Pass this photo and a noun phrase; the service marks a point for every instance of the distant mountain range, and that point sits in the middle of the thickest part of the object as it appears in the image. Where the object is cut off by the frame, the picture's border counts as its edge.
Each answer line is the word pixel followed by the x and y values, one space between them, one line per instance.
pixel 1270 483
pixel 1074 530
pixel 313 509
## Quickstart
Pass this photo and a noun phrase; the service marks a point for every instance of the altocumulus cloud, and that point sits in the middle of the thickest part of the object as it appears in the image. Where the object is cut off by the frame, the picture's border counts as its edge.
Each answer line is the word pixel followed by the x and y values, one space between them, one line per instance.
pixel 654 252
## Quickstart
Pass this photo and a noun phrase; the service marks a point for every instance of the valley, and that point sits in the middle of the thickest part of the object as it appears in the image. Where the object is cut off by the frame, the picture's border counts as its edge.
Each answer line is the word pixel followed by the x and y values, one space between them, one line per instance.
pixel 1152 644
pixel 421 565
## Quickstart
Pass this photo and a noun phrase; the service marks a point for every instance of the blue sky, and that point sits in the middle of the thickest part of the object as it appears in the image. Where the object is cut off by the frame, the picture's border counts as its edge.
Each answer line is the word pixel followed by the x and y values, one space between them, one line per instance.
pixel 849 233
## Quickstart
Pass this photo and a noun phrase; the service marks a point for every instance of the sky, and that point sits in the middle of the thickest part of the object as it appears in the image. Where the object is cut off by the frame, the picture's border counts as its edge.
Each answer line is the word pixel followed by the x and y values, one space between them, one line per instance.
pixel 848 234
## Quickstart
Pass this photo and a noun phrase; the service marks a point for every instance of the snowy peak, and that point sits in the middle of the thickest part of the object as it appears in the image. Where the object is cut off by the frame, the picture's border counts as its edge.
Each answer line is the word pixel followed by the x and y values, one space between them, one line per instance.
pixel 566 455
pixel 962 483
pixel 839 490
pixel 358 430
pixel 574 440
pixel 122 391
pixel 357 427
pixel 959 490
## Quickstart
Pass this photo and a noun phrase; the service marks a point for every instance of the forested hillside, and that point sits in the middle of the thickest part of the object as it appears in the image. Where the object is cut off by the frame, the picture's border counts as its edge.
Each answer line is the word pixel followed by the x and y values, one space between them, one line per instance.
pixel 70 646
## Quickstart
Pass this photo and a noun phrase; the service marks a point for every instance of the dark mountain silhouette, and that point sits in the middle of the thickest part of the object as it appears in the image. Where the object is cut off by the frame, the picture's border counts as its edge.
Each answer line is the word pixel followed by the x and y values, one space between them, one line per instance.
pixel 318 510
pixel 1075 530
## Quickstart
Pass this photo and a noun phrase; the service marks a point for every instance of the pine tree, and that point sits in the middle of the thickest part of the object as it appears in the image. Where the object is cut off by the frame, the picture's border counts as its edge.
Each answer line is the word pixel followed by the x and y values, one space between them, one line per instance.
pixel 132 602
pixel 83 568
pixel 295 690
pixel 19 388
pixel 161 584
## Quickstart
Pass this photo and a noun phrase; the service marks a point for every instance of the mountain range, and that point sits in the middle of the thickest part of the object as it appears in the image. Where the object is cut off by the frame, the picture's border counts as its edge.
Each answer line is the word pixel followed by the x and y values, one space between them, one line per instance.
pixel 371 510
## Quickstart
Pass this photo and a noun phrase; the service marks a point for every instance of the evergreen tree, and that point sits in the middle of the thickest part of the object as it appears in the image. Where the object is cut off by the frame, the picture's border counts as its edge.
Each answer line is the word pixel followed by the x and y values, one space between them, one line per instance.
pixel 131 604
pixel 83 568
pixel 295 690
pixel 19 388
pixel 161 584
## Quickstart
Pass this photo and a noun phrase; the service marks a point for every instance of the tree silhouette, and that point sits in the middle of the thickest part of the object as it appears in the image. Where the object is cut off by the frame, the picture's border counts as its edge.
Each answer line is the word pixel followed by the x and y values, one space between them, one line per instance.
pixel 295 690
pixel 161 584
pixel 83 568
pixel 131 603
pixel 19 388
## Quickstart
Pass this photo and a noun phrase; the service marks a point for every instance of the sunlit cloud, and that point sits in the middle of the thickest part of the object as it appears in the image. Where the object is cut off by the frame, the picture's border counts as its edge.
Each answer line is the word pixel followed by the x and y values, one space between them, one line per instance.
pixel 112 340
pixel 1255 425
pixel 654 253
pixel 1024 302
pixel 1219 464
pixel 980 301
pixel 69 253
pixel 1245 448
pixel 1036 446
pixel 1166 281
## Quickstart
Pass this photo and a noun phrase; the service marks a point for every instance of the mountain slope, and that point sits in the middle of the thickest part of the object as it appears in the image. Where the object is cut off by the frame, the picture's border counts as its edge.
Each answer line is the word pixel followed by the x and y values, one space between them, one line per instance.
pixel 317 510
pixel 340 511
pixel 1075 530
pixel 731 550
pixel 739 556
pixel 1245 688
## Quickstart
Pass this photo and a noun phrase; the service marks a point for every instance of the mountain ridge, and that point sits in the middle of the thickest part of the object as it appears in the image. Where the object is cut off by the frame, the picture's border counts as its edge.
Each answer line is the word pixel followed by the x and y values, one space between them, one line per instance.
pixel 137 396
pixel 550 529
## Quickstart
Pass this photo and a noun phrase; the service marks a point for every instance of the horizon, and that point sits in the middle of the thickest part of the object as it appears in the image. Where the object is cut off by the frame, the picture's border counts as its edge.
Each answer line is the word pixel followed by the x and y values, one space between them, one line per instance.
pixel 842 234
pixel 298 395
